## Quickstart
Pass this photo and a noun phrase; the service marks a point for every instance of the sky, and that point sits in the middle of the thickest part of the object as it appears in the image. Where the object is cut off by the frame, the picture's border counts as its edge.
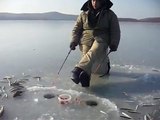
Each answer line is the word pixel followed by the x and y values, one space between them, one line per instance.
pixel 123 8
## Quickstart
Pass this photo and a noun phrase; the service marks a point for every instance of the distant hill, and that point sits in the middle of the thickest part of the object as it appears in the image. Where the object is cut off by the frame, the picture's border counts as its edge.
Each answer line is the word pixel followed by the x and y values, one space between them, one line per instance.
pixel 37 16
pixel 61 16
pixel 155 19
pixel 128 19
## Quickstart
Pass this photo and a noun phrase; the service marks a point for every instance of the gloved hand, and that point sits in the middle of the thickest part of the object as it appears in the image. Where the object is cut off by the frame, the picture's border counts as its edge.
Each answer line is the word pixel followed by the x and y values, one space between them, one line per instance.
pixel 72 46
pixel 113 48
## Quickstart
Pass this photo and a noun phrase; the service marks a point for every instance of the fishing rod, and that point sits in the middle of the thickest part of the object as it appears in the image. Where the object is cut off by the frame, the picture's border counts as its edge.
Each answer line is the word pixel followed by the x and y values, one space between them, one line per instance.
pixel 99 65
pixel 64 61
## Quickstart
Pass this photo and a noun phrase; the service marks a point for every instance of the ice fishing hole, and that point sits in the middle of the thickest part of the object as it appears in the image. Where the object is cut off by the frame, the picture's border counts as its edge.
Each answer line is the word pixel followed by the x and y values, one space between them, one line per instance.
pixel 91 103
pixel 49 96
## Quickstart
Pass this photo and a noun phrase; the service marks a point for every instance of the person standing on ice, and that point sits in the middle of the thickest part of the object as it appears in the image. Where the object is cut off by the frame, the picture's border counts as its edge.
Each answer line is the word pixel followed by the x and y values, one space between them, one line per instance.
pixel 96 29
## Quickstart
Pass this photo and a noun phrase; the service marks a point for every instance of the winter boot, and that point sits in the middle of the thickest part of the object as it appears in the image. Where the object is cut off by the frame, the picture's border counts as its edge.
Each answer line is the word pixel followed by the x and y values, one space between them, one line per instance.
pixel 84 79
pixel 75 75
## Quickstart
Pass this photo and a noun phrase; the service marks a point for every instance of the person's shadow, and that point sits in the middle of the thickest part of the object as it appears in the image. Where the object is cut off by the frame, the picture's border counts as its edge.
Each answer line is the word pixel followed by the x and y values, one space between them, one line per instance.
pixel 136 83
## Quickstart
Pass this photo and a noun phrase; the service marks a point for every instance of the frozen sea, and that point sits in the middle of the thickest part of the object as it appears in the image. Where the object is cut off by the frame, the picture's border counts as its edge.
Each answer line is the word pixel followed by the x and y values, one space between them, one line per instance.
pixel 33 51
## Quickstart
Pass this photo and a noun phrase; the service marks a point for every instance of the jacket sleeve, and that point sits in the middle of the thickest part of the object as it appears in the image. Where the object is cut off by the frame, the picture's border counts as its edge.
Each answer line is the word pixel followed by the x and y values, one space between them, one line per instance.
pixel 77 30
pixel 114 30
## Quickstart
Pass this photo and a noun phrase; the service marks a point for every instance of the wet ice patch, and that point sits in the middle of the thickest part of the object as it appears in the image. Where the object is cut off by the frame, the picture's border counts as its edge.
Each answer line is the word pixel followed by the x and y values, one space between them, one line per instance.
pixel 79 110
pixel 141 74
pixel 149 78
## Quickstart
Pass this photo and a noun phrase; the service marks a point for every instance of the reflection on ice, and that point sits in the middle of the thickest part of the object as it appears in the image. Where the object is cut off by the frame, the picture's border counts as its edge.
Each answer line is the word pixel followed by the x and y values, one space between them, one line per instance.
pixel 36 100
pixel 46 117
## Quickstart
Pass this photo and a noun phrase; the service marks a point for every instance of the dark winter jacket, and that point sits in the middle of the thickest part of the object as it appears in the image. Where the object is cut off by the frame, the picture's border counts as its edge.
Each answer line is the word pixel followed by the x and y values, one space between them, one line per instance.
pixel 104 29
